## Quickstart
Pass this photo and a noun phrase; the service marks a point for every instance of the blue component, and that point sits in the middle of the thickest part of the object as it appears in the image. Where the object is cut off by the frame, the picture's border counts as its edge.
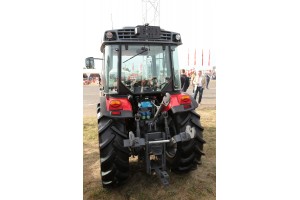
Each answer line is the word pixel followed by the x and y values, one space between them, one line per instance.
pixel 145 109
pixel 146 104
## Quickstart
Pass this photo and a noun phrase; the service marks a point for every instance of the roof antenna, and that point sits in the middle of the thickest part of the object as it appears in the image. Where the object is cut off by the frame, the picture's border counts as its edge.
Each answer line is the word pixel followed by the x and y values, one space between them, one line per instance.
pixel 112 26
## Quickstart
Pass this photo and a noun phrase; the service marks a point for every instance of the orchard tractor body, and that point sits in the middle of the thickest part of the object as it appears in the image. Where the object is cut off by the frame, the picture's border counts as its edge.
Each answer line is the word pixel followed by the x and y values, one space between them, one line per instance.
pixel 142 111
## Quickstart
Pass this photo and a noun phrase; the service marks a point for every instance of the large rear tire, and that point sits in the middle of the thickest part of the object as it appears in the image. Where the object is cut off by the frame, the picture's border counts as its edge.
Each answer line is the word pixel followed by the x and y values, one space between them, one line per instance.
pixel 185 156
pixel 114 158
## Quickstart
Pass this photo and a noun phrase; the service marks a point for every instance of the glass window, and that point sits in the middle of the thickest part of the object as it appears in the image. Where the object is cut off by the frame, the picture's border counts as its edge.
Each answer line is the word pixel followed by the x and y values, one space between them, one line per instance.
pixel 111 68
pixel 177 83
pixel 145 68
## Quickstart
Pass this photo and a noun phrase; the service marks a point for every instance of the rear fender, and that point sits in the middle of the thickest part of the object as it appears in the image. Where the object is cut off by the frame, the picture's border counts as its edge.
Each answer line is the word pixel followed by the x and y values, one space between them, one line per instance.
pixel 177 106
pixel 123 111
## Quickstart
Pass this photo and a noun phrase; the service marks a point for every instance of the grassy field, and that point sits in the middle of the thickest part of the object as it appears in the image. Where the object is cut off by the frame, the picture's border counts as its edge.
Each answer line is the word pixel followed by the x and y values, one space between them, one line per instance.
pixel 198 184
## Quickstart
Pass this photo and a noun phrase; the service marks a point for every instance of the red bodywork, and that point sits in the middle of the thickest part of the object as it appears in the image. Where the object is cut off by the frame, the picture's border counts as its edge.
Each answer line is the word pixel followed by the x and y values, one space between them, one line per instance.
pixel 176 100
pixel 125 104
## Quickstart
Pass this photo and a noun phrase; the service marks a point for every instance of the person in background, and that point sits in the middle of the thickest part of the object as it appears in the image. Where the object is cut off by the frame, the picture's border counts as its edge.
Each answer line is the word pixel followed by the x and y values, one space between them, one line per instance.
pixel 193 74
pixel 199 83
pixel 208 76
pixel 185 81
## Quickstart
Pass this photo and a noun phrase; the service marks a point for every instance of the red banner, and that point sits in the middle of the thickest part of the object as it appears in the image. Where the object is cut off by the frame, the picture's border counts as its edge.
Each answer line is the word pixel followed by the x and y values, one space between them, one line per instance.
pixel 188 57
pixel 195 58
pixel 209 59
pixel 202 57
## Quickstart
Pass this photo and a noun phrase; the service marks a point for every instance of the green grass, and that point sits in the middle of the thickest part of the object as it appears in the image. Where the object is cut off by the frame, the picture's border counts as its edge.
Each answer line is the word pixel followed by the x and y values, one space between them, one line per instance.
pixel 198 184
pixel 90 129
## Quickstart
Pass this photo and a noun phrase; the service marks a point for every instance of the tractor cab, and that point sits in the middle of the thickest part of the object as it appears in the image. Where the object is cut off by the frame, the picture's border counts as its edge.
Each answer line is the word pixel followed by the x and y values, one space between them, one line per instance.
pixel 139 60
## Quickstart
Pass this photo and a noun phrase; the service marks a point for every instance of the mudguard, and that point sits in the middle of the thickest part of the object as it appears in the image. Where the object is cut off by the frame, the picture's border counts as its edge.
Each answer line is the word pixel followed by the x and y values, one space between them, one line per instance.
pixel 176 107
pixel 126 111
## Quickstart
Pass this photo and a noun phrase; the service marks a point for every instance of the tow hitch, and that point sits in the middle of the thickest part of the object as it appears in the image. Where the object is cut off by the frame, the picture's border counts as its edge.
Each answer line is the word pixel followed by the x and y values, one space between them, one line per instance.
pixel 154 142
pixel 155 146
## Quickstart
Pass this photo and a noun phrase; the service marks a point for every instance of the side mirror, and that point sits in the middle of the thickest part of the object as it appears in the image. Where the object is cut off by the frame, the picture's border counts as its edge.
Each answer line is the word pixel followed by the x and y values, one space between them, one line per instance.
pixel 89 63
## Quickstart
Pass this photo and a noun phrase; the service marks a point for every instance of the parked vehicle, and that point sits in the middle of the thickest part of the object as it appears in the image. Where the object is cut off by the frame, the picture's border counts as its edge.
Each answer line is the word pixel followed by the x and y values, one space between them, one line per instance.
pixel 142 111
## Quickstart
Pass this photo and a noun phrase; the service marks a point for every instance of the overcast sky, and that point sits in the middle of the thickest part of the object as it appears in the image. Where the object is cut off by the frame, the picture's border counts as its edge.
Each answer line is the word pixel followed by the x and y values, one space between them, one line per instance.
pixel 193 19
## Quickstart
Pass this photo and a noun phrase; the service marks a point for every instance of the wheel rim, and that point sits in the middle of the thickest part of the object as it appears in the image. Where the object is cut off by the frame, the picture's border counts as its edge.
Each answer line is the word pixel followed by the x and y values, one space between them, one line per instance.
pixel 171 150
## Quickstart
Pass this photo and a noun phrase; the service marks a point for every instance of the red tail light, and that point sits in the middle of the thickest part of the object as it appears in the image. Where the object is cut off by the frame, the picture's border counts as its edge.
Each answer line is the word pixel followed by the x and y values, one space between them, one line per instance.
pixel 184 99
pixel 115 105
pixel 115 112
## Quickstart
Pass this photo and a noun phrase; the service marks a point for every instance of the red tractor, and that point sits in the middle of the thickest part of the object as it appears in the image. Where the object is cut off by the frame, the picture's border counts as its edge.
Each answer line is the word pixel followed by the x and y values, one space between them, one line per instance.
pixel 142 110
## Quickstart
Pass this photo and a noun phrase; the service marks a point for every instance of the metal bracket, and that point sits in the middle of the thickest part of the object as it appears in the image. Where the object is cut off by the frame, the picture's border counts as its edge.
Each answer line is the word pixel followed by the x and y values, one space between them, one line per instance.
pixel 189 134
pixel 133 141
pixel 162 175
pixel 137 119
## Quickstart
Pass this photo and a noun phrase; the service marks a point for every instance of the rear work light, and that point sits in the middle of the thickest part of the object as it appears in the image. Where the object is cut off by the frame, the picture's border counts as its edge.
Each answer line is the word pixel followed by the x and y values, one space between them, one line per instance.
pixel 109 35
